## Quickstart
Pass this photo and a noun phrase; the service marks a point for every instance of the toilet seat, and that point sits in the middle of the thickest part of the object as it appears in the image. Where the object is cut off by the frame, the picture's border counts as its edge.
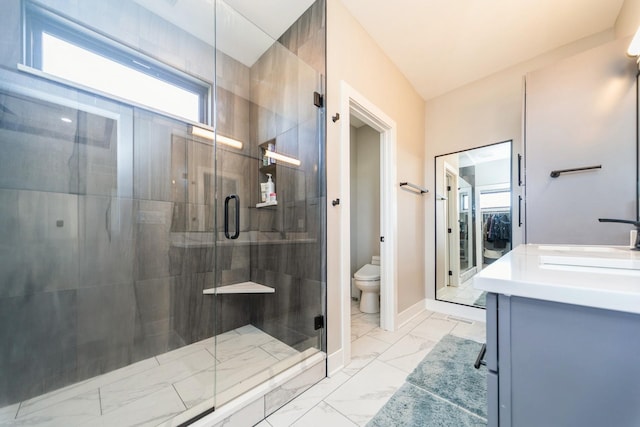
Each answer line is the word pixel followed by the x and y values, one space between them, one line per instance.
pixel 368 272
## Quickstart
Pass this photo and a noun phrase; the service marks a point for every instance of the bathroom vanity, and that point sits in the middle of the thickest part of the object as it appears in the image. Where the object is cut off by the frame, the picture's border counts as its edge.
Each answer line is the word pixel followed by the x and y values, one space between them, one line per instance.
pixel 563 336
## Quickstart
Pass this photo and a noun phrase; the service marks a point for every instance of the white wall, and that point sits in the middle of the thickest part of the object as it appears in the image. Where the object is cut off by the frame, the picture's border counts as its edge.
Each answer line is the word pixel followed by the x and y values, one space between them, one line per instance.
pixel 581 112
pixel 481 113
pixel 490 110
pixel 494 172
pixel 354 57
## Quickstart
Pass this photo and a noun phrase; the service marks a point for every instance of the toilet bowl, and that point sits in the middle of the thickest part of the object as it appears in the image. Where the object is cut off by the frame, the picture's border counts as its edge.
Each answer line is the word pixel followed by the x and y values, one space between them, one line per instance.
pixel 367 280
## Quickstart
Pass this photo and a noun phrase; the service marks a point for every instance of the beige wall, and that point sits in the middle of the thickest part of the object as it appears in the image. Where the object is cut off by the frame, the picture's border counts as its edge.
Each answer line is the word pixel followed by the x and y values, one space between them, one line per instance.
pixel 628 19
pixel 353 56
pixel 484 112
pixel 490 110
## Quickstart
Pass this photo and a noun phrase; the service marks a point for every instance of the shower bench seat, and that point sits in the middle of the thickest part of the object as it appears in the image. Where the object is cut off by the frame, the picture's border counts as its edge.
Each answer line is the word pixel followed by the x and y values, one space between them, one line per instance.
pixel 240 288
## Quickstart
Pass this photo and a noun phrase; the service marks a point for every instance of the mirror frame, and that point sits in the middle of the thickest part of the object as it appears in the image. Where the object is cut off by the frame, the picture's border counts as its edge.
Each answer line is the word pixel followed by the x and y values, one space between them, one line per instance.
pixel 439 198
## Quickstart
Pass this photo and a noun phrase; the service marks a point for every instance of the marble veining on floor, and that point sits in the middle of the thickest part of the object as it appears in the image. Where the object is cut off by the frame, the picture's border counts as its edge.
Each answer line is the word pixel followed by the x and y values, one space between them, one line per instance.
pixel 152 391
pixel 381 361
pixel 463 294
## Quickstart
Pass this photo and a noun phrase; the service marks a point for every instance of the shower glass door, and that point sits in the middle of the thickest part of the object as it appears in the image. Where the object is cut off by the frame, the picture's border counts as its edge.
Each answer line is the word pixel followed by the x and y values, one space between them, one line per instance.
pixel 269 277
pixel 139 266
pixel 106 211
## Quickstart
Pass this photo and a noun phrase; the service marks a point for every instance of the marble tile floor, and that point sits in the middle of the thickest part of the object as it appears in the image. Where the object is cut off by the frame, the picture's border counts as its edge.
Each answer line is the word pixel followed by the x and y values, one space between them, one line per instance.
pixel 463 294
pixel 380 363
pixel 154 390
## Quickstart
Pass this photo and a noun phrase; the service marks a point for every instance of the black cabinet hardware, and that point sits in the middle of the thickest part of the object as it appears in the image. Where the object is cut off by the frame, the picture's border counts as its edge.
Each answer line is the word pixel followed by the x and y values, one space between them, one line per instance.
pixel 480 358
pixel 557 173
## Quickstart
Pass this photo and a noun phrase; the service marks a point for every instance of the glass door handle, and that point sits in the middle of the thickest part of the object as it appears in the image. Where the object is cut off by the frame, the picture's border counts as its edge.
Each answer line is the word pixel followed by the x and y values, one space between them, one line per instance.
pixel 227 199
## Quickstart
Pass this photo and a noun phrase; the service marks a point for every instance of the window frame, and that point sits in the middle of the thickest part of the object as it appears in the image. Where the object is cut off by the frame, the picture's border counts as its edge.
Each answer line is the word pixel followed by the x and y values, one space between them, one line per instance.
pixel 493 192
pixel 39 20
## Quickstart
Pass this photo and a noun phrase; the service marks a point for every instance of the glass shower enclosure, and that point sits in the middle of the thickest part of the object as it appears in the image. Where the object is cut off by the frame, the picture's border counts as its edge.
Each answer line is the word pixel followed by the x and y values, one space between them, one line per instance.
pixel 145 278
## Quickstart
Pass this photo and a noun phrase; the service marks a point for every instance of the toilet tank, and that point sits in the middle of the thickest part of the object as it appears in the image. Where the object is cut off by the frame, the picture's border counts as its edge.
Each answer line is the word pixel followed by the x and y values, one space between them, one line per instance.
pixel 375 260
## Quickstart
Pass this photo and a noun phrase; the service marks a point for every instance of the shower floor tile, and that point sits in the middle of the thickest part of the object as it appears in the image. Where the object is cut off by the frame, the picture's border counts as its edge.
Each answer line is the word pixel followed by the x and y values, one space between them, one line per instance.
pixel 154 390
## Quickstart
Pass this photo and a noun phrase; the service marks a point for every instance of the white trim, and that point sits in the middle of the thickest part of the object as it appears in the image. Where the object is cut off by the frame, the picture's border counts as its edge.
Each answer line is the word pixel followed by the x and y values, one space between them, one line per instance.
pixel 411 312
pixel 352 102
pixel 335 362
pixel 452 253
pixel 459 310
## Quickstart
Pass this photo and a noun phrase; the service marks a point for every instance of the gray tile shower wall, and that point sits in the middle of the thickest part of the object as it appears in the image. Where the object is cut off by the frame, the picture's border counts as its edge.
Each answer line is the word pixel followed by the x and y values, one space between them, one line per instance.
pixel 282 84
pixel 96 268
pixel 32 360
pixel 92 279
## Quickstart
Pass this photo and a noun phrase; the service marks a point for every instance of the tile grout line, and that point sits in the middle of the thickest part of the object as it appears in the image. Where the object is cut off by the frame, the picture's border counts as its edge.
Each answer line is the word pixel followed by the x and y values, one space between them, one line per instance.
pixel 449 402
pixel 405 382
pixel 100 400
pixel 412 326
pixel 18 410
pixel 173 386
pixel 338 411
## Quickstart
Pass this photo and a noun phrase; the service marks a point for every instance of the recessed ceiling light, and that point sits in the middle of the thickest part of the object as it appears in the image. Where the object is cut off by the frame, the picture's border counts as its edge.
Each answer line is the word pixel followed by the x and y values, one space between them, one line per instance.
pixel 66 119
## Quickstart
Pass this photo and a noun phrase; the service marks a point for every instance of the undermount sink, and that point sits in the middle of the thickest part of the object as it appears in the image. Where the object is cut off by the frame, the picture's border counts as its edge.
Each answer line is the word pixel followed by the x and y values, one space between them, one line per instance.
pixel 617 266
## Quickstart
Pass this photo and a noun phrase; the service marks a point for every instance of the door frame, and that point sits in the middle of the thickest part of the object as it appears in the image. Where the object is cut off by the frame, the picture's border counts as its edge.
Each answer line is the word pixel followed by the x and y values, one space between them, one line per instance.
pixel 353 103
pixel 452 255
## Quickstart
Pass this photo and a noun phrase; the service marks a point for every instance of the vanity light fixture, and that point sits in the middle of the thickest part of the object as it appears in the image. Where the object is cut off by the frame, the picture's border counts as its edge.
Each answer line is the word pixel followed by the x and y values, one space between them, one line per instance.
pixel 209 134
pixel 634 47
pixel 282 157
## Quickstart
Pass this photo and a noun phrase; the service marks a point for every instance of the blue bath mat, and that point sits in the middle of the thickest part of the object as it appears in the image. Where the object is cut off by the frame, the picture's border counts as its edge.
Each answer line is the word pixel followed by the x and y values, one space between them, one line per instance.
pixel 448 371
pixel 443 390
pixel 412 406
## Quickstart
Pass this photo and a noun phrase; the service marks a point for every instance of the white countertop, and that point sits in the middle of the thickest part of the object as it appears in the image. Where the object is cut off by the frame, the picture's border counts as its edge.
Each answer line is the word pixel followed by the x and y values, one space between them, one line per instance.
pixel 568 274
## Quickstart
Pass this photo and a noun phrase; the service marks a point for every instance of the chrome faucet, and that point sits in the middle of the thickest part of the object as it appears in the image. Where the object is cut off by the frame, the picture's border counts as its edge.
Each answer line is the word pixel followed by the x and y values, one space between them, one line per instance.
pixel 626 221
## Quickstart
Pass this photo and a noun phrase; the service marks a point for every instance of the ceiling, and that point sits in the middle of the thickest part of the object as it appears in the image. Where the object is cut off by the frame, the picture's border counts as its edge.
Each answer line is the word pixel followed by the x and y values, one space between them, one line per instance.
pixel 245 29
pixel 440 45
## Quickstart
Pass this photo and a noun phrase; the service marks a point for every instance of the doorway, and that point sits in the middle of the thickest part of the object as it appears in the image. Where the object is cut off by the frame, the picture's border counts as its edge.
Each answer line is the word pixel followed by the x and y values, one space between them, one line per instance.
pixel 355 105
pixel 364 166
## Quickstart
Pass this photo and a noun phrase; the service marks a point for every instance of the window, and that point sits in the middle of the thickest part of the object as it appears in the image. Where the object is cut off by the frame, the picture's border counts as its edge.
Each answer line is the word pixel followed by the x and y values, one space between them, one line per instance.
pixel 70 52
pixel 495 199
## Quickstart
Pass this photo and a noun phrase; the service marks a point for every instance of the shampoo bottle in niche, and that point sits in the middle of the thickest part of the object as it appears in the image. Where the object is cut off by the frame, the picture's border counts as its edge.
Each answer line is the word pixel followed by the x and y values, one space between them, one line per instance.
pixel 270 189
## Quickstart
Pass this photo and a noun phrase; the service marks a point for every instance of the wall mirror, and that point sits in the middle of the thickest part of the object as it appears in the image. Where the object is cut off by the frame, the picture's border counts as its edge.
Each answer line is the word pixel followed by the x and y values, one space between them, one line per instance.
pixel 473 218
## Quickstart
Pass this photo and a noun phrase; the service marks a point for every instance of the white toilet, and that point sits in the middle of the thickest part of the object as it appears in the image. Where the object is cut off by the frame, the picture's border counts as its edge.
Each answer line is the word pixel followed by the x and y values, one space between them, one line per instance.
pixel 367 280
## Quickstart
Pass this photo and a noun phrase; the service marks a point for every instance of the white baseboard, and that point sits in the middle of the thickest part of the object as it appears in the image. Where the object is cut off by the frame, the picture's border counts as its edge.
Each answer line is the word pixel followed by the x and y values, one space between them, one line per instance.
pixel 335 362
pixel 464 311
pixel 411 312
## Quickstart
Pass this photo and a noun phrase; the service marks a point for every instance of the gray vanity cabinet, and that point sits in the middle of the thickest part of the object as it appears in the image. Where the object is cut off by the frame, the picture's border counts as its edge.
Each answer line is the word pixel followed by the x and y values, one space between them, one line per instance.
pixel 555 364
